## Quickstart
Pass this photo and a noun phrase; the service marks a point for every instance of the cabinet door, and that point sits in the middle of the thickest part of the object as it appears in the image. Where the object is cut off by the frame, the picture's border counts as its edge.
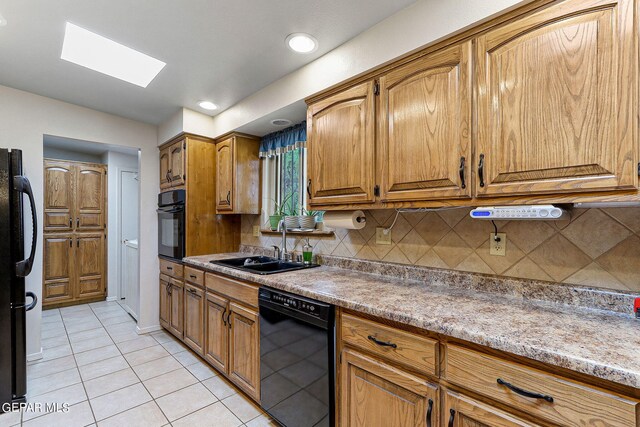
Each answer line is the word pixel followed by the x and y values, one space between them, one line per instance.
pixel 224 175
pixel 165 301
pixel 217 332
pixel 90 197
pixel 165 178
pixel 462 411
pixel 194 317
pixel 374 394
pixel 176 165
pixel 244 349
pixel 425 139
pixel 58 268
pixel 556 109
pixel 58 196
pixel 340 147
pixel 90 265
pixel 177 307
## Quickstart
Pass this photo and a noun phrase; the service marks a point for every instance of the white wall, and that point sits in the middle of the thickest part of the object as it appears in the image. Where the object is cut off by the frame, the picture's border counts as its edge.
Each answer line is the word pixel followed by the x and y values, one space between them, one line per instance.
pixel 59 154
pixel 422 23
pixel 24 119
pixel 115 162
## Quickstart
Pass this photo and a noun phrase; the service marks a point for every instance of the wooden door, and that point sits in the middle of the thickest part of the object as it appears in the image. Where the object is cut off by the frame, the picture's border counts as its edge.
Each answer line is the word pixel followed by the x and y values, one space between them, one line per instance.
pixel 462 411
pixel 194 317
pixel 90 265
pixel 244 349
pixel 340 147
pixel 425 127
pixel 177 308
pixel 58 196
pixel 165 301
pixel 58 268
pixel 217 333
pixel 224 175
pixel 165 178
pixel 176 165
pixel 374 394
pixel 90 197
pixel 556 110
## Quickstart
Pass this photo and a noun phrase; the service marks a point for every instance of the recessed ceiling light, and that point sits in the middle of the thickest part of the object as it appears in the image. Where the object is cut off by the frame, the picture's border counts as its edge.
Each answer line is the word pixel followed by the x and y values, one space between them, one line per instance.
pixel 3 21
pixel 207 105
pixel 101 54
pixel 280 122
pixel 301 42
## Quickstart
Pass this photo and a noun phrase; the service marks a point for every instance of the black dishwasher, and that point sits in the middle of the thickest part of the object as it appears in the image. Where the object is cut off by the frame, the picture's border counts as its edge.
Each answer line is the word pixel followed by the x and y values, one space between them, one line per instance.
pixel 297 359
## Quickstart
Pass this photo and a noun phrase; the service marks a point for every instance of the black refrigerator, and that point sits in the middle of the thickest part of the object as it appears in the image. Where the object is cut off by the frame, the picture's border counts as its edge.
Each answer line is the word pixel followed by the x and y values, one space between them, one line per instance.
pixel 13 269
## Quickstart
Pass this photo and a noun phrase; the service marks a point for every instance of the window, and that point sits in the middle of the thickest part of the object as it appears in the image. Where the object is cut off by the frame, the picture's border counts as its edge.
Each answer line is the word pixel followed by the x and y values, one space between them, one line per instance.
pixel 284 177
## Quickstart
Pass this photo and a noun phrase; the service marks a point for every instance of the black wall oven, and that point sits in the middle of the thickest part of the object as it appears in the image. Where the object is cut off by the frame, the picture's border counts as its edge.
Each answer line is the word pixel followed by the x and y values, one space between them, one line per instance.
pixel 171 227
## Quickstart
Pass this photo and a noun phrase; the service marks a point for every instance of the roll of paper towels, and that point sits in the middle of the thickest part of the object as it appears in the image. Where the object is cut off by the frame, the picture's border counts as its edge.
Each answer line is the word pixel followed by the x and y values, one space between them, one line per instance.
pixel 350 220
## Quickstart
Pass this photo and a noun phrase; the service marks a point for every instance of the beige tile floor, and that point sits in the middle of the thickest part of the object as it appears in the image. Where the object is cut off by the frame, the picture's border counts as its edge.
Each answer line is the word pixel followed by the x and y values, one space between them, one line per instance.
pixel 111 376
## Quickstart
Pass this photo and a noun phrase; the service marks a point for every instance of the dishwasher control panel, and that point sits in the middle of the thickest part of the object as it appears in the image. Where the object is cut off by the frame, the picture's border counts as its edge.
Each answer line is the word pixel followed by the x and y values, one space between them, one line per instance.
pixel 295 302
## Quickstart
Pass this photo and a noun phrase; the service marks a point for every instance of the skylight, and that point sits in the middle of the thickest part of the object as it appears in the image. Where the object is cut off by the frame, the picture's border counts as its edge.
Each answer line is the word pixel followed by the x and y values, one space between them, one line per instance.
pixel 101 54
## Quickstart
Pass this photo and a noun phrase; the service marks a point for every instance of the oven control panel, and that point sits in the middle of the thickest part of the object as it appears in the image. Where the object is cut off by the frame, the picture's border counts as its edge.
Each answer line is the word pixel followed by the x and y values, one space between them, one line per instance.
pixel 295 302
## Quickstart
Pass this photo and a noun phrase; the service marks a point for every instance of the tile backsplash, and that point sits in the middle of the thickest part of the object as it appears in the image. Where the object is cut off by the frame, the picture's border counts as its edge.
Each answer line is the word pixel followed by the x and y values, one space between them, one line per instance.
pixel 596 247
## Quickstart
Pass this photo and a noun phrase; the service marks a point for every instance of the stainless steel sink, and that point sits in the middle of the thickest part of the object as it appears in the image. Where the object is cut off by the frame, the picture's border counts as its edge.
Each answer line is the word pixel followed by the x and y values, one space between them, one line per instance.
pixel 262 264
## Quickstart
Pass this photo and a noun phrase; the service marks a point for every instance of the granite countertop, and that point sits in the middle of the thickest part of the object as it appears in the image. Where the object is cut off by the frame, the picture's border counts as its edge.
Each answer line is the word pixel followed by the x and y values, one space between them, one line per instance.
pixel 594 342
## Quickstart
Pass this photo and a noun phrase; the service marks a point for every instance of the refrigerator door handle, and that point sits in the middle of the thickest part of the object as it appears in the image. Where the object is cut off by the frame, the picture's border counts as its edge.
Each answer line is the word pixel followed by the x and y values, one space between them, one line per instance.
pixel 34 301
pixel 22 185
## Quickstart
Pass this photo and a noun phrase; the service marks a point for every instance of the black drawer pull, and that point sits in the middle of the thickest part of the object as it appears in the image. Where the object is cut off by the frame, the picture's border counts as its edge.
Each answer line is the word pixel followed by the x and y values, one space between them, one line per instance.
pixel 193 276
pixel 525 393
pixel 452 417
pixel 481 170
pixel 462 185
pixel 429 411
pixel 382 343
pixel 169 268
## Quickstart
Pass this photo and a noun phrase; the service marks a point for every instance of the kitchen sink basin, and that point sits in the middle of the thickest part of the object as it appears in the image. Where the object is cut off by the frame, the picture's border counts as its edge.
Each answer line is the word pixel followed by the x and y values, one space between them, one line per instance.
pixel 262 264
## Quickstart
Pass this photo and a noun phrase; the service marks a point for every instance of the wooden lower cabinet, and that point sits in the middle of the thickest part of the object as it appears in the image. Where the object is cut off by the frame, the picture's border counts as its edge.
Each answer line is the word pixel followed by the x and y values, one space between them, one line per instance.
pixel 463 411
pixel 374 393
pixel 58 268
pixel 244 348
pixel 217 332
pixel 90 266
pixel 165 301
pixel 176 295
pixel 194 318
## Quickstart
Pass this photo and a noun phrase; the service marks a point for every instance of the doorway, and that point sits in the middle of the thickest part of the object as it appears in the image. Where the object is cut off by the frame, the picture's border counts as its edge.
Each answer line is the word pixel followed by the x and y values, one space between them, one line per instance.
pixel 128 204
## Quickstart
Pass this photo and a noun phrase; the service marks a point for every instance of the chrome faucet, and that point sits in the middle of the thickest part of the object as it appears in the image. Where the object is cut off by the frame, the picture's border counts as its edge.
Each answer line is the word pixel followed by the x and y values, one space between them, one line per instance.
pixel 284 254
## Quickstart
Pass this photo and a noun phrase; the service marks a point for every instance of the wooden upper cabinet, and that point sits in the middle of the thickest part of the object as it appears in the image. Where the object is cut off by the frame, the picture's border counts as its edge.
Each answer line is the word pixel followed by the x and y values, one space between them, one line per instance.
pixel 340 147
pixel 90 265
pixel 90 197
pixel 176 163
pixel 224 175
pixel 238 175
pixel 165 178
pixel 58 196
pixel 374 394
pixel 556 91
pixel 462 411
pixel 425 127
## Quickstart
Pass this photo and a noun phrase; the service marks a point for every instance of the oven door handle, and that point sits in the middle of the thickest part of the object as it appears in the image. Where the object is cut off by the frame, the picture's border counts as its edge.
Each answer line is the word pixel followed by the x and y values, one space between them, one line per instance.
pixel 171 211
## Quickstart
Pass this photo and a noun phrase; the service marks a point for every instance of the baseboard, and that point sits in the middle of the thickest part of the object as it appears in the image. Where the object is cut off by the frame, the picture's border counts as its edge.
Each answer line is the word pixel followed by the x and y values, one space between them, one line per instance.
pixel 112 298
pixel 148 329
pixel 35 356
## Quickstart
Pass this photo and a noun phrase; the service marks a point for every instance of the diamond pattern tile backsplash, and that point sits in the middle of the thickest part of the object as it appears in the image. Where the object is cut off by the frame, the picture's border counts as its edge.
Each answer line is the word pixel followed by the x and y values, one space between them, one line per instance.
pixel 596 247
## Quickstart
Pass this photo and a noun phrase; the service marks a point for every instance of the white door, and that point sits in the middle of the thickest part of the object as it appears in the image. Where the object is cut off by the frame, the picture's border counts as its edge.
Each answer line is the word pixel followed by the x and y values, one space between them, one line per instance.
pixel 129 276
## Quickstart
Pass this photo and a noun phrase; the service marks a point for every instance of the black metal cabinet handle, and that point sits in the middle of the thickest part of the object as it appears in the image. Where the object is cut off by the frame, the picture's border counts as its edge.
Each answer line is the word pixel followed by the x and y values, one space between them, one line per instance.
pixel 77 222
pixel 70 222
pixel 169 268
pixel 309 188
pixel 229 319
pixel 191 291
pixel 169 291
pixel 70 242
pixel 382 343
pixel 223 319
pixel 33 303
pixel 525 393
pixel 481 170
pixel 452 417
pixel 229 197
pixel 461 171
pixel 193 276
pixel 429 411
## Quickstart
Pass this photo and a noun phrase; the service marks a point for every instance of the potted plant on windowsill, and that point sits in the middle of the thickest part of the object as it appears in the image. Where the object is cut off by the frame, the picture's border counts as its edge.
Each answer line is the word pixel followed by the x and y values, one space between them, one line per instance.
pixel 291 219
pixel 308 219
pixel 279 211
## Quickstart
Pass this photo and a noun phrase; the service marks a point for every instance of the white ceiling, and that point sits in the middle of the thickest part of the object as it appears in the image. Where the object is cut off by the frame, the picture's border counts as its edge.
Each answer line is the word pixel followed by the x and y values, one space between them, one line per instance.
pixel 84 147
pixel 217 50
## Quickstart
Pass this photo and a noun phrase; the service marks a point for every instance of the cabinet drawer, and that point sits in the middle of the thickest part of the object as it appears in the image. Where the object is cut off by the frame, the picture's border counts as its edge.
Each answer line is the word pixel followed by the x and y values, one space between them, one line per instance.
pixel 568 403
pixel 193 276
pixel 170 268
pixel 239 291
pixel 411 350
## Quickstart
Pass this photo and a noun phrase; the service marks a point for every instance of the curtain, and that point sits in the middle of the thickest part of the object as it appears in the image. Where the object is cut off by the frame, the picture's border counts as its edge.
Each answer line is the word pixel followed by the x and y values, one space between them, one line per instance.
pixel 284 140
